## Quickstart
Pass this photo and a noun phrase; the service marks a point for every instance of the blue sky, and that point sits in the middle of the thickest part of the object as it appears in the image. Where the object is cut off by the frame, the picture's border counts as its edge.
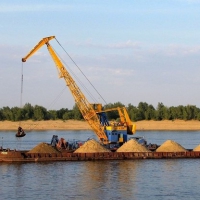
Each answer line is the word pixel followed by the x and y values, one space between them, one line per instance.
pixel 131 51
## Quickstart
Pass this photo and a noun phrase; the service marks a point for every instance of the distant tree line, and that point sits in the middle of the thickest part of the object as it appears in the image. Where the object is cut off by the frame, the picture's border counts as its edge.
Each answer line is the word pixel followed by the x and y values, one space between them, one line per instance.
pixel 38 113
pixel 143 111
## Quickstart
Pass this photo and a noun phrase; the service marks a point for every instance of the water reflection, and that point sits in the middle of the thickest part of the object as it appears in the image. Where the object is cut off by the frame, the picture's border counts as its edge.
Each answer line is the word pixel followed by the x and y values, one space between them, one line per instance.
pixel 129 179
pixel 137 179
pixel 106 176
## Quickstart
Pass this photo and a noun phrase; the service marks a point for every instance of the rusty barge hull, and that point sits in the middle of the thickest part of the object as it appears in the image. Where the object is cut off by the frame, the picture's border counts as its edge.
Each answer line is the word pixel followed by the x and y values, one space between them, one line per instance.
pixel 20 156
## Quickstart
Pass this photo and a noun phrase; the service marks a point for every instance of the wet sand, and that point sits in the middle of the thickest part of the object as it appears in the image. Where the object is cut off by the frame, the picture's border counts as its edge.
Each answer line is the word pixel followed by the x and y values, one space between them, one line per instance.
pixel 82 125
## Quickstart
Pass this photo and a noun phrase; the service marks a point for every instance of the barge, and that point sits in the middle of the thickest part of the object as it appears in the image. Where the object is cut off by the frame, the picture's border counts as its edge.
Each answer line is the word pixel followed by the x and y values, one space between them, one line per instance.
pixel 23 156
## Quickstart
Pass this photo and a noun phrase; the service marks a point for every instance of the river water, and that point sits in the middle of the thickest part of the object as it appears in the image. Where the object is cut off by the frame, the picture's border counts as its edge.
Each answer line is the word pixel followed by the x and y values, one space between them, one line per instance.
pixel 134 179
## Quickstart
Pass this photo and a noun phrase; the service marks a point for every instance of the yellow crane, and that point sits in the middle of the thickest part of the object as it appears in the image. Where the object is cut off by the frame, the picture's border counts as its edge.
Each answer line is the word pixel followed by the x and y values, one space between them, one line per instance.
pixel 92 113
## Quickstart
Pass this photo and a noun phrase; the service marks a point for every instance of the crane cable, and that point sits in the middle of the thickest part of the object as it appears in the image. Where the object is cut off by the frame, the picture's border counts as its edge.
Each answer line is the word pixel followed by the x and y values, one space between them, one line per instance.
pixel 20 130
pixel 78 80
pixel 21 93
pixel 21 99
pixel 81 71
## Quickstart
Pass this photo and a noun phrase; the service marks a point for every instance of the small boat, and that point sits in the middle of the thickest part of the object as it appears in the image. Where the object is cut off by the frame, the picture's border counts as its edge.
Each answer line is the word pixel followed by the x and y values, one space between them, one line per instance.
pixel 20 132
pixel 20 135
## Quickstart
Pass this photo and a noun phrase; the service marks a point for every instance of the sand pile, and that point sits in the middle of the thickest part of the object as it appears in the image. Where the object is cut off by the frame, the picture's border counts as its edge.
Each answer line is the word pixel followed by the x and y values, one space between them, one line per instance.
pixel 132 146
pixel 197 148
pixel 43 148
pixel 91 146
pixel 170 146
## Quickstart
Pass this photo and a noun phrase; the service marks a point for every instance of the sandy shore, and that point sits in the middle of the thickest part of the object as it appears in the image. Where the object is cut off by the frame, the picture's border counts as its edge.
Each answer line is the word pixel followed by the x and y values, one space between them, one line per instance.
pixel 82 125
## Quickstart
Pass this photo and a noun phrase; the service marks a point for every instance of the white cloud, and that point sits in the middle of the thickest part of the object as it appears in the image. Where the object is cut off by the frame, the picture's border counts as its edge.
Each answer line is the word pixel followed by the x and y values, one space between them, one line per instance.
pixel 183 50
pixel 119 45
pixel 172 50
pixel 125 45
pixel 152 73
pixel 142 48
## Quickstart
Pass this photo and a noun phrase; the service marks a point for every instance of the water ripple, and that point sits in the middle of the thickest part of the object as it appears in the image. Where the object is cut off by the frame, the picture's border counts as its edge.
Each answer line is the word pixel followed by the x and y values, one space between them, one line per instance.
pixel 135 179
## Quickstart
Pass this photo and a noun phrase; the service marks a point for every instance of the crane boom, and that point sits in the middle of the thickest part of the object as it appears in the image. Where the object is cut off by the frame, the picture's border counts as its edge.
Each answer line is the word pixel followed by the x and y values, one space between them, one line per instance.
pixel 37 47
pixel 84 106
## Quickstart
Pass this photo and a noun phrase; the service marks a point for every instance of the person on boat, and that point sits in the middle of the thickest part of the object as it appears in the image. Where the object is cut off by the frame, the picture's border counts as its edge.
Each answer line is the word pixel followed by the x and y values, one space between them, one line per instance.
pixel 20 131
pixel 62 143
pixel 54 140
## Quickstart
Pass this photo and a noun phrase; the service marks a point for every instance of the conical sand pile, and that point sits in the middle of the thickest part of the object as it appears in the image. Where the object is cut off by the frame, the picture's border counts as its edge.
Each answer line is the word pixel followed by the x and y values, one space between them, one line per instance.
pixel 197 148
pixel 170 146
pixel 91 146
pixel 43 148
pixel 132 146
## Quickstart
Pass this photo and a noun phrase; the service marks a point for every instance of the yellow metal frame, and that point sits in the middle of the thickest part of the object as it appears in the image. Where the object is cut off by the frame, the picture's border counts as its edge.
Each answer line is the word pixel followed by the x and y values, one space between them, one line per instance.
pixel 124 119
pixel 84 106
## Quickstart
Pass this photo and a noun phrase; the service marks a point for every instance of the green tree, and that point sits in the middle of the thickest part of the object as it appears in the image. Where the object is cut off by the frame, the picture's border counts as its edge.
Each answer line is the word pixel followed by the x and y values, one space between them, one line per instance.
pixel 180 110
pixel 7 113
pixel 142 108
pixel 134 114
pixel 150 113
pixel 68 115
pixel 191 112
pixel 197 112
pixel 173 113
pixel 17 114
pixel 52 114
pixel 160 112
pixel 28 111
pixel 198 116
pixel 61 112
pixel 76 113
pixel 1 115
pixel 40 113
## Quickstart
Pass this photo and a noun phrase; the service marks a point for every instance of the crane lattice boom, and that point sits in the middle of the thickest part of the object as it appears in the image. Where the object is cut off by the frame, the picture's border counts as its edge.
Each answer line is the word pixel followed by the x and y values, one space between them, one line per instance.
pixel 84 106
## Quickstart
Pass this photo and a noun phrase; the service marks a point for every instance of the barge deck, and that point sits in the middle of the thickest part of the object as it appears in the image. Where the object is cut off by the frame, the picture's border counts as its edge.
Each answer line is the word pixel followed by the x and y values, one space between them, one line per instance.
pixel 24 156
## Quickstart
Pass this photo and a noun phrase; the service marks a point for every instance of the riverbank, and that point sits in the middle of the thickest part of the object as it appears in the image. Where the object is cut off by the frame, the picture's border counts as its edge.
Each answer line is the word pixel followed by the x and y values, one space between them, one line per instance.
pixel 82 125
